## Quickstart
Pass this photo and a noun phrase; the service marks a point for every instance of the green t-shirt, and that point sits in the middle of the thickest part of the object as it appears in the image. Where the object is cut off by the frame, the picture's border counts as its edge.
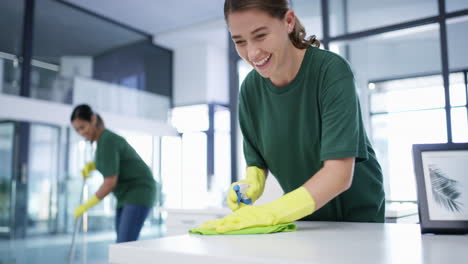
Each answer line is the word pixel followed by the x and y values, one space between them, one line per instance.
pixel 292 129
pixel 114 156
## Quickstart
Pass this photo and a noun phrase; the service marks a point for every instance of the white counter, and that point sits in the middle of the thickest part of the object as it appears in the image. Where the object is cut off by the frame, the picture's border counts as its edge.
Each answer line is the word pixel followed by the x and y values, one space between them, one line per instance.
pixel 178 221
pixel 314 242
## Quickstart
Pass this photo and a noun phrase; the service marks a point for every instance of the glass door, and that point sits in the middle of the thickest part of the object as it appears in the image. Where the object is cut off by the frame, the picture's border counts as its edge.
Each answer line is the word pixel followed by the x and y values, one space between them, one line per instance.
pixel 29 163
pixel 43 164
pixel 7 132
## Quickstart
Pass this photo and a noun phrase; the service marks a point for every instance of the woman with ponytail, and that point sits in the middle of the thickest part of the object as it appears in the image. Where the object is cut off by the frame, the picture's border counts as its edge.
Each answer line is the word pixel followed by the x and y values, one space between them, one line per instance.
pixel 301 120
pixel 126 175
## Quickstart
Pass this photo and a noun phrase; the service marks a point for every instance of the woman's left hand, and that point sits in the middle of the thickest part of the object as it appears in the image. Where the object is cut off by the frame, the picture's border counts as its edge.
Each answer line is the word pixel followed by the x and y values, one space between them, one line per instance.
pixel 289 207
pixel 245 217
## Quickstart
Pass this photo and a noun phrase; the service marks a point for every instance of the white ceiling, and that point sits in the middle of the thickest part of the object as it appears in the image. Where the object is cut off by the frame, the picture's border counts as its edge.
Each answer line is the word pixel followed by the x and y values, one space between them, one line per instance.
pixel 155 16
pixel 173 23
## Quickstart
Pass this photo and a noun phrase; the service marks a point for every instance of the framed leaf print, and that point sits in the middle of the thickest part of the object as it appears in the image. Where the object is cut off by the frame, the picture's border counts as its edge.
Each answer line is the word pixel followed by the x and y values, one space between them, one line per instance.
pixel 442 185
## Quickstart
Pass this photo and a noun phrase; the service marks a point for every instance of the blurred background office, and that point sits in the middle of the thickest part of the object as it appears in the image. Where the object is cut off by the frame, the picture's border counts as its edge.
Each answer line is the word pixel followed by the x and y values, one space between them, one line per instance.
pixel 165 75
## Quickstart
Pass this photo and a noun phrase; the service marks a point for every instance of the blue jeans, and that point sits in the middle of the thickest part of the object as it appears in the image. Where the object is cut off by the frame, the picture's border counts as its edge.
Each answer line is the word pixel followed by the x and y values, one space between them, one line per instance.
pixel 128 221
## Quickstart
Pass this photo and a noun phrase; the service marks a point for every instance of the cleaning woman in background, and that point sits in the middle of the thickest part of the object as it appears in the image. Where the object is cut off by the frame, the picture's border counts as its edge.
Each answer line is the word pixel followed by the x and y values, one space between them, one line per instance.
pixel 301 120
pixel 125 174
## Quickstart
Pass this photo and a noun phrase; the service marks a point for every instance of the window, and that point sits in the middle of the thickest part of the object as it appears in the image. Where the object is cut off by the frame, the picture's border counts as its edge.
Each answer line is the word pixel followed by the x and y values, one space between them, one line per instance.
pixel 310 15
pixel 243 68
pixel 194 170
pixel 455 5
pixel 143 145
pixel 397 105
pixel 458 65
pixel 42 177
pixel 7 135
pixel 405 112
pixel 221 179
pixel 11 25
pixel 190 118
pixel 347 16
pixel 458 103
pixel 171 171
pixel 411 111
pixel 204 157
pixel 457 43
pixel 193 122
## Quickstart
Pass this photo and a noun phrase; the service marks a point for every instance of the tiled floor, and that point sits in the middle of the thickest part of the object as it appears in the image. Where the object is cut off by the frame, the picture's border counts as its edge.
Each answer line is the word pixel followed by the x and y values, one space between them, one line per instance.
pixel 91 248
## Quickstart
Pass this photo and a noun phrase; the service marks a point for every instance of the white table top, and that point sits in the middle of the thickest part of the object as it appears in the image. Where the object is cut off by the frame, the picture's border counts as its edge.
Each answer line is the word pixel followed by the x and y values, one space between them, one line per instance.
pixel 314 242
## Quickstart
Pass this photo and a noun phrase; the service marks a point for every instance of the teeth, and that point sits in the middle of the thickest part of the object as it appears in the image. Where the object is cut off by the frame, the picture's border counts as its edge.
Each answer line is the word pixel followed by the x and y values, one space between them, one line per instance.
pixel 260 63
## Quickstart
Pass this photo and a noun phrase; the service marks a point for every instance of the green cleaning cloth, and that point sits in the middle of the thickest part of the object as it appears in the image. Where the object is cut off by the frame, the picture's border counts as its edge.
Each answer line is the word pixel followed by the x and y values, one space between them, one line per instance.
pixel 288 227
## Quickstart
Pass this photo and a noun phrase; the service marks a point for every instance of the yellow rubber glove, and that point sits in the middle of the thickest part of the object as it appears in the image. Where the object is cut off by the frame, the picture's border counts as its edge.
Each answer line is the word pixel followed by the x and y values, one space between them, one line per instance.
pixel 256 179
pixel 290 207
pixel 87 169
pixel 92 201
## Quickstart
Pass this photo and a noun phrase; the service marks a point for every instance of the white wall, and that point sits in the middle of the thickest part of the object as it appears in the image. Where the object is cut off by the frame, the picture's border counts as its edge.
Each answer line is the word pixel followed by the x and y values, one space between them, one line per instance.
pixel 14 107
pixel 120 100
pixel 190 71
pixel 34 110
pixel 217 75
pixel 200 63
pixel 200 75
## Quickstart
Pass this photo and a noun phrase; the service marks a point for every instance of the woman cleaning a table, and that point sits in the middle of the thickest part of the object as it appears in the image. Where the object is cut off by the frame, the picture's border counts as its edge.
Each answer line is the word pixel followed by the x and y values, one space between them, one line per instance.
pixel 301 120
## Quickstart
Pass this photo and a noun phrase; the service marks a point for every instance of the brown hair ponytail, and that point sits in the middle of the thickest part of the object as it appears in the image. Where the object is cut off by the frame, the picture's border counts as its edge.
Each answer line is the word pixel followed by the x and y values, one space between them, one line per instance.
pixel 298 37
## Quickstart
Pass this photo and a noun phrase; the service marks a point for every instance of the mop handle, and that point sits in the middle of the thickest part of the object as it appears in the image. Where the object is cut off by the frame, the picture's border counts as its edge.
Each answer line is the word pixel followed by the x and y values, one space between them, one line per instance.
pixel 77 224
pixel 76 228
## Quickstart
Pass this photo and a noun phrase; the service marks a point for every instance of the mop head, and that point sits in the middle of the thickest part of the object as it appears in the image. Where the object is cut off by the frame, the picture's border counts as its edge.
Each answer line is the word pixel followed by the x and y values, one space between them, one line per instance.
pixel 287 227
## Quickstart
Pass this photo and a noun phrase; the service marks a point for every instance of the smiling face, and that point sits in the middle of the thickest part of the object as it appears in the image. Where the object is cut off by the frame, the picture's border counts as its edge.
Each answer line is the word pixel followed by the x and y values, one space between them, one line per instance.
pixel 86 129
pixel 262 40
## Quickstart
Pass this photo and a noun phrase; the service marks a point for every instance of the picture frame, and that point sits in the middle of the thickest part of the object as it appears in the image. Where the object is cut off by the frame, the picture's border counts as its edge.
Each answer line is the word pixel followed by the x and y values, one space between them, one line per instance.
pixel 441 172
